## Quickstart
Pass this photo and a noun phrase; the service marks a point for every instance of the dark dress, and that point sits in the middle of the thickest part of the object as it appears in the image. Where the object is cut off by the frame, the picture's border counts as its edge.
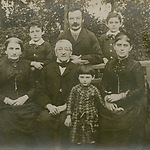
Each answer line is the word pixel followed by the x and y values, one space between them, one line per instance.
pixel 125 127
pixel 16 122
pixel 84 114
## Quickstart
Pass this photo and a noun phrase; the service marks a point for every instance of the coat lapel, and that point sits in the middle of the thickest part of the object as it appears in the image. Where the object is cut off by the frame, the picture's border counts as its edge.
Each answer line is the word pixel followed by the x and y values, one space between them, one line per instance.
pixel 81 36
pixel 68 68
pixel 56 68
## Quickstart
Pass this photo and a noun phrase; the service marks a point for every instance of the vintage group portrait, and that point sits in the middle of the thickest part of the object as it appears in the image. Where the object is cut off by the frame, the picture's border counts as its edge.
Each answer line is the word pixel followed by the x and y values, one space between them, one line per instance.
pixel 74 74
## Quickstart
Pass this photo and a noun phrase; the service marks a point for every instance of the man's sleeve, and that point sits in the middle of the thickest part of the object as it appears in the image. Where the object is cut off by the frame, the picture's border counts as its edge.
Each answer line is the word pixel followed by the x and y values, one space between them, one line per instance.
pixel 41 90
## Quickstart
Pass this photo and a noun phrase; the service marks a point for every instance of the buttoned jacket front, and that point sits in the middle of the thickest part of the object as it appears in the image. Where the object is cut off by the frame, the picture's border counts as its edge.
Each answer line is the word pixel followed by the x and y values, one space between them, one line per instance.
pixel 53 87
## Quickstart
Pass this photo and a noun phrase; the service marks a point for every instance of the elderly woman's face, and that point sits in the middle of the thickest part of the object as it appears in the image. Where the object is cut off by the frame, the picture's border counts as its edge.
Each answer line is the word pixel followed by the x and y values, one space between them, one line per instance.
pixel 13 51
pixel 122 48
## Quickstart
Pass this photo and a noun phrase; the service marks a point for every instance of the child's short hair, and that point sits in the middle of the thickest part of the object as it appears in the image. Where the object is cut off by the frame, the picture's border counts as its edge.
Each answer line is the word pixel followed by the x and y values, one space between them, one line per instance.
pixel 113 15
pixel 36 23
pixel 86 69
pixel 68 43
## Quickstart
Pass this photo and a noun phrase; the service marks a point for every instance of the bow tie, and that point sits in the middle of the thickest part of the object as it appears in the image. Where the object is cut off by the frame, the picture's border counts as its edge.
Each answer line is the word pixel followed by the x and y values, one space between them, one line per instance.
pixel 63 64
pixel 34 45
pixel 111 36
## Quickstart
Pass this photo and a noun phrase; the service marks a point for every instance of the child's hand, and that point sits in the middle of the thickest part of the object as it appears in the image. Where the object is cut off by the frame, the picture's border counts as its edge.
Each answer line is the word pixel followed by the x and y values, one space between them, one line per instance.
pixel 37 65
pixel 68 121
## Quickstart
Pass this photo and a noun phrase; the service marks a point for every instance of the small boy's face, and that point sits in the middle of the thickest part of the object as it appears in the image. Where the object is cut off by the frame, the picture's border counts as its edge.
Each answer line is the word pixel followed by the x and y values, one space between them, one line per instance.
pixel 85 79
pixel 36 33
pixel 114 24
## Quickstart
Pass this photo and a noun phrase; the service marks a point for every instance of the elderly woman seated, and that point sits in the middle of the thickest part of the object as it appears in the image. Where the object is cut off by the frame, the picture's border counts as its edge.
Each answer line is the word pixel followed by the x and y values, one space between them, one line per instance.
pixel 17 111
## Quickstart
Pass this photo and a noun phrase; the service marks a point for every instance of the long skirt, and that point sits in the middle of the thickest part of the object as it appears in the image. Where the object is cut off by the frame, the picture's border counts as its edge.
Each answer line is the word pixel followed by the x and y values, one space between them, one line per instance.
pixel 18 123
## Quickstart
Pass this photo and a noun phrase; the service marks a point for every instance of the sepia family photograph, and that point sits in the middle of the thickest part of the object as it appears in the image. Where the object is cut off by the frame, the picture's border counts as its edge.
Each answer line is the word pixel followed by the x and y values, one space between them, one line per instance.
pixel 74 74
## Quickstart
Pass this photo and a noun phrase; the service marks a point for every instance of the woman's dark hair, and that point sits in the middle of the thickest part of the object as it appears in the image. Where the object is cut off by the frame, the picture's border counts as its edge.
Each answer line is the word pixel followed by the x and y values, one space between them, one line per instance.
pixel 113 15
pixel 86 69
pixel 123 35
pixel 14 40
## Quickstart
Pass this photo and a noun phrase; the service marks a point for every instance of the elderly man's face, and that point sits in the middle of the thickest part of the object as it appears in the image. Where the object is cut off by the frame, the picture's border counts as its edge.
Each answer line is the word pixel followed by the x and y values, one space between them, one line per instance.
pixel 63 52
pixel 75 20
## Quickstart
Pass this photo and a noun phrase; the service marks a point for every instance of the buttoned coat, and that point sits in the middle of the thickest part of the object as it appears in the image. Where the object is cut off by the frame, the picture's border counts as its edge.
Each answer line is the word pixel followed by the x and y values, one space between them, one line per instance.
pixel 86 45
pixel 53 87
pixel 106 44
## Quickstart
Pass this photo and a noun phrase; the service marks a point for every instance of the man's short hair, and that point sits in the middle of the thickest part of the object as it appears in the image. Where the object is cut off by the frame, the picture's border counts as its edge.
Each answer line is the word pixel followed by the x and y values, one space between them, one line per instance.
pixel 68 43
pixel 75 8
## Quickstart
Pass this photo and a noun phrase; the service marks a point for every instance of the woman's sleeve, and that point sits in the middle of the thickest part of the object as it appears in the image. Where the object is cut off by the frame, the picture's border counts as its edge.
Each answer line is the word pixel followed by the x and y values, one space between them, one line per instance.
pixel 71 100
pixel 139 89
pixel 105 88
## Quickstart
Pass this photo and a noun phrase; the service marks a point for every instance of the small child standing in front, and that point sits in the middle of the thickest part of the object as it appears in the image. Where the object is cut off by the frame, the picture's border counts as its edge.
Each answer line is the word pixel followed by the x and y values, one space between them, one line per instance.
pixel 82 113
pixel 37 50
pixel 113 22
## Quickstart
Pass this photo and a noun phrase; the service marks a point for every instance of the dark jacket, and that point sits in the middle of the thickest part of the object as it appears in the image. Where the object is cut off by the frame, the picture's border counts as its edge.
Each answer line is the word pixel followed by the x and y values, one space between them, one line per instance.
pixel 53 87
pixel 41 53
pixel 106 44
pixel 86 45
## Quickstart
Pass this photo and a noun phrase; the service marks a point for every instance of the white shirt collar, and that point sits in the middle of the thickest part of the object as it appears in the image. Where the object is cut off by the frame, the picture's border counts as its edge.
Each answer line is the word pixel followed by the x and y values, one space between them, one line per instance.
pixel 75 32
pixel 60 61
pixel 109 32
pixel 40 42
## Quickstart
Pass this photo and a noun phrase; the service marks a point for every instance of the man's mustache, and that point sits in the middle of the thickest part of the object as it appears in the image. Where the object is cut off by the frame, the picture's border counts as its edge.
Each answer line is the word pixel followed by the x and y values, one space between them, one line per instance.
pixel 75 24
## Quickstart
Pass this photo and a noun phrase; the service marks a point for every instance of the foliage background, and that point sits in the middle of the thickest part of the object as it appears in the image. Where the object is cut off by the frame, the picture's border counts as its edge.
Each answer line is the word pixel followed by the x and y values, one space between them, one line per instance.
pixel 16 14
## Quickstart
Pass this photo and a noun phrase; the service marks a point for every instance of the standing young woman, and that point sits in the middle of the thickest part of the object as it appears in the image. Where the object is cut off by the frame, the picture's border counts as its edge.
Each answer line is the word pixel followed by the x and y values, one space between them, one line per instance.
pixel 17 112
pixel 123 90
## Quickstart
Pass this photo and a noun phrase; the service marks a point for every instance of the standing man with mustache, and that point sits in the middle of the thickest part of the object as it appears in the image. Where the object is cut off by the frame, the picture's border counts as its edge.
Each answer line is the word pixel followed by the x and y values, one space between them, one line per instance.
pixel 86 48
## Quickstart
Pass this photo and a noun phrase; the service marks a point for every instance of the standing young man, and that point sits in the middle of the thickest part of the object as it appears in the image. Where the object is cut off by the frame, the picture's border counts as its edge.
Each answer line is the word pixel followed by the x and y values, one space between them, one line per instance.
pixel 86 48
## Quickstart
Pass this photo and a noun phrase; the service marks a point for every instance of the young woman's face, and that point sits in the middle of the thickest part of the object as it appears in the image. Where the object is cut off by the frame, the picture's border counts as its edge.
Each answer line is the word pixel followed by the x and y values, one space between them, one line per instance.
pixel 122 48
pixel 36 33
pixel 85 79
pixel 13 51
pixel 114 24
